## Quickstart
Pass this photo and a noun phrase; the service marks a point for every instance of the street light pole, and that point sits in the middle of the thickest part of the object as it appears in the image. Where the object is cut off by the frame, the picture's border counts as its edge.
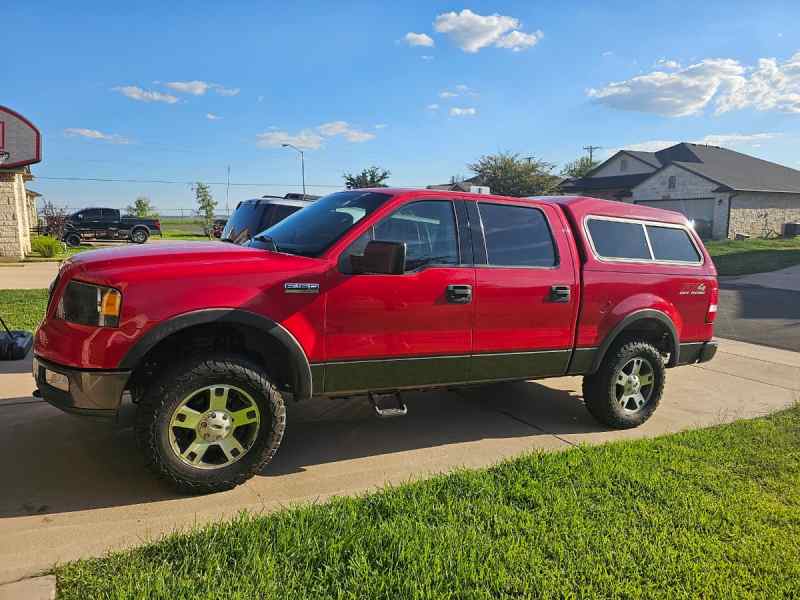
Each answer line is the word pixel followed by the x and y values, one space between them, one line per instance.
pixel 302 165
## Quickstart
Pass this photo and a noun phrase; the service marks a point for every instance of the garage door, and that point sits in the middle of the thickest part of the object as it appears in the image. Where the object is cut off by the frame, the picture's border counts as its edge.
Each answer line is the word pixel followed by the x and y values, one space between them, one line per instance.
pixel 699 210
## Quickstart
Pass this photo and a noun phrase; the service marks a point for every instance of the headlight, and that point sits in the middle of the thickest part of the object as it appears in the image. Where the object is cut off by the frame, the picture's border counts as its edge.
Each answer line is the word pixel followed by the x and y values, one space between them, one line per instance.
pixel 89 304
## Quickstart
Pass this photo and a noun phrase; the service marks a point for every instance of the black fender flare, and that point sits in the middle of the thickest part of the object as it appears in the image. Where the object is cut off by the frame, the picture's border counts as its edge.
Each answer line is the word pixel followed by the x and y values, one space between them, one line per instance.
pixel 639 315
pixel 302 381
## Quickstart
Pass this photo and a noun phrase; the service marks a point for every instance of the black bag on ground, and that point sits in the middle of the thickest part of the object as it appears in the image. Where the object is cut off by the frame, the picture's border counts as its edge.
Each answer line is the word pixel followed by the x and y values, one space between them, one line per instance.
pixel 14 345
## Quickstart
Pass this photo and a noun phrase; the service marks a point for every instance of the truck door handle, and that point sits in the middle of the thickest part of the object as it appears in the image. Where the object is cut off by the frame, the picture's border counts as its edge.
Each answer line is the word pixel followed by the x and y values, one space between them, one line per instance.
pixel 559 293
pixel 459 294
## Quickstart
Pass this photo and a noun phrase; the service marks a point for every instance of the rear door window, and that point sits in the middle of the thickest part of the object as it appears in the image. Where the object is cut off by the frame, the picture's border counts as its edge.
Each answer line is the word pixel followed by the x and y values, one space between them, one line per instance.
pixel 673 244
pixel 619 239
pixel 280 212
pixel 517 236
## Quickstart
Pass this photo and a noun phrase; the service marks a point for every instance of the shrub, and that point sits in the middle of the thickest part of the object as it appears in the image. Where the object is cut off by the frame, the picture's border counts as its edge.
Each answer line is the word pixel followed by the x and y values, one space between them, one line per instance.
pixel 46 246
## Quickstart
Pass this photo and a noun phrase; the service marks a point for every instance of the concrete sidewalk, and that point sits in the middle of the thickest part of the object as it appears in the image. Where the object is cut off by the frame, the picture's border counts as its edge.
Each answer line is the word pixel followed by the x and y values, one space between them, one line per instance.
pixel 27 276
pixel 74 488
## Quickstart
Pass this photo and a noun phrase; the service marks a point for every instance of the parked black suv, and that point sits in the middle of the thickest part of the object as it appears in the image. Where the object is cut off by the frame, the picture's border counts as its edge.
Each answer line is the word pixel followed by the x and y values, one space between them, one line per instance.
pixel 107 224
pixel 258 214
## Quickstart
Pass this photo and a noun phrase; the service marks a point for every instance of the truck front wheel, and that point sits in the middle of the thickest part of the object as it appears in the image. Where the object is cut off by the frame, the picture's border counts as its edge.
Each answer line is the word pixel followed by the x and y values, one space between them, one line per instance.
pixel 627 387
pixel 210 424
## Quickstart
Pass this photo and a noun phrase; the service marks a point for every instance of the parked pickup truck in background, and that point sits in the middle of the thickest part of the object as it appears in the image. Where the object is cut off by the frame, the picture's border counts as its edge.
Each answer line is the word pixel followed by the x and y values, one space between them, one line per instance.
pixel 373 292
pixel 107 224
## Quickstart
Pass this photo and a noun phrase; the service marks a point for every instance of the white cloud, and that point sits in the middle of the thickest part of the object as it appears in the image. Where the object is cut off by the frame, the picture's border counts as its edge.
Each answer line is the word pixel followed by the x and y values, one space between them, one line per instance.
pixel 457 91
pixel 433 107
pixel 517 41
pixel 725 83
pixel 667 64
pixel 136 93
pixel 305 140
pixel 344 129
pixel 381 126
pixel 312 139
pixel 94 134
pixel 195 88
pixel 427 57
pixel 471 31
pixel 608 53
pixel 463 112
pixel 418 39
pixel 199 88
pixel 446 94
pixel 212 117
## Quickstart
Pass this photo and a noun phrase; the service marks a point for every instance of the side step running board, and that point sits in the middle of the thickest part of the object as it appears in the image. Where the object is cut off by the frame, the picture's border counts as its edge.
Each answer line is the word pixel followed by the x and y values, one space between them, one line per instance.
pixel 399 410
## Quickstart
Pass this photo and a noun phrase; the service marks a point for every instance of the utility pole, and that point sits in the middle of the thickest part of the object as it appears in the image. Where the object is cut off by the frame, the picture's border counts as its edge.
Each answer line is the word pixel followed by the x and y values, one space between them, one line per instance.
pixel 227 194
pixel 590 149
pixel 302 165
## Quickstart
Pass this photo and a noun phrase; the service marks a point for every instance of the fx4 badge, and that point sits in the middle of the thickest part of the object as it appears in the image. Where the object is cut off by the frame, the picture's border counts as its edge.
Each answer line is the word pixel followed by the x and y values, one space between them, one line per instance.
pixel 698 290
pixel 301 288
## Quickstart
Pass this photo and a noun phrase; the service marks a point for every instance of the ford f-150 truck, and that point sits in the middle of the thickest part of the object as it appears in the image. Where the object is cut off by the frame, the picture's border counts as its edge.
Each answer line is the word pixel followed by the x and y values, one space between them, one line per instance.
pixel 373 292
pixel 107 224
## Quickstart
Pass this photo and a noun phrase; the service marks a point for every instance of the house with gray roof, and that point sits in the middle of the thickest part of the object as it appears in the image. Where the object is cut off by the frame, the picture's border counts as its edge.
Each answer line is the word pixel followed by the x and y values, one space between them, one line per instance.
pixel 726 193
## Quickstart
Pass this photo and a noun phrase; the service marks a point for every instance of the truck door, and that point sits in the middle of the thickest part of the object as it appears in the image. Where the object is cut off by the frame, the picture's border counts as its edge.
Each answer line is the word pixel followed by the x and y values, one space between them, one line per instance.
pixel 409 330
pixel 526 296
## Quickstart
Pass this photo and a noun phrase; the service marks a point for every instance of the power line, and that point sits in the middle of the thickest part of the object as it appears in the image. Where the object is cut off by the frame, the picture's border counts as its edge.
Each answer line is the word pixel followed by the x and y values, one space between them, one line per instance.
pixel 172 182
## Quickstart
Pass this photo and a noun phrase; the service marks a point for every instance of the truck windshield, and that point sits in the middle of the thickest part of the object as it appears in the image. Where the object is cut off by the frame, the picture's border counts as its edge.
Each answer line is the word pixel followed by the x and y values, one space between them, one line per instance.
pixel 313 229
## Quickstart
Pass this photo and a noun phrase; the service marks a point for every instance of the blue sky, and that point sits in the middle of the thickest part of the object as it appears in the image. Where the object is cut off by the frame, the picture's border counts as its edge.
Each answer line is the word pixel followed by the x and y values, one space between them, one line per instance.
pixel 179 91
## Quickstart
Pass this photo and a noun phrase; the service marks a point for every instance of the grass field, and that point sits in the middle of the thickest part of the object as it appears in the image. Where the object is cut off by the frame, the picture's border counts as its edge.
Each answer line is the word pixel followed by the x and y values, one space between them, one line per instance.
pixel 703 514
pixel 22 309
pixel 742 257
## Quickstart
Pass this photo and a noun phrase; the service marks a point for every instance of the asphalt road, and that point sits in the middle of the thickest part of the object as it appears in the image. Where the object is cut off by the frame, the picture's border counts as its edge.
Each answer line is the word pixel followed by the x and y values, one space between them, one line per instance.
pixel 759 315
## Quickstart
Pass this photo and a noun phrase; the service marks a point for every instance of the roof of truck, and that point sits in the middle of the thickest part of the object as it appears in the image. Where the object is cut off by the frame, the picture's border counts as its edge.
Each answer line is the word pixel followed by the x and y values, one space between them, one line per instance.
pixel 581 206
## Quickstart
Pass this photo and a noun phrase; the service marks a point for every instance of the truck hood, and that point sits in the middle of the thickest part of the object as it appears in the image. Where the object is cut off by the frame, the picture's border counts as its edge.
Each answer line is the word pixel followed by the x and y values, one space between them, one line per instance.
pixel 174 260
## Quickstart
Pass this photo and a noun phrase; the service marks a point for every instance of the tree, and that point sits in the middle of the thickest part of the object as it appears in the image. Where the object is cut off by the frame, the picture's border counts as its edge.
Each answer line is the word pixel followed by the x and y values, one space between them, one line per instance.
pixel 368 178
pixel 54 218
pixel 205 205
pixel 142 208
pixel 509 175
pixel 578 167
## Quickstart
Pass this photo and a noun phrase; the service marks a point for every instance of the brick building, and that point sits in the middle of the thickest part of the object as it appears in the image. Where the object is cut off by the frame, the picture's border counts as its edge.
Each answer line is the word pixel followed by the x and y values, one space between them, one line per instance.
pixel 20 147
pixel 726 193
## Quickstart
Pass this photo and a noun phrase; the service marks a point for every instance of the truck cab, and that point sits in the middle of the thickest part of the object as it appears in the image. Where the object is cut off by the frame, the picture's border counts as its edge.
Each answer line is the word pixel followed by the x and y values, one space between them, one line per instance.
pixel 374 292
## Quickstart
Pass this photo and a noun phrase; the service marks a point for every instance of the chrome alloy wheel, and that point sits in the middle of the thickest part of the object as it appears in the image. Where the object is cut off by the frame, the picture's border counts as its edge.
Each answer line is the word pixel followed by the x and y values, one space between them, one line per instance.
pixel 214 426
pixel 634 384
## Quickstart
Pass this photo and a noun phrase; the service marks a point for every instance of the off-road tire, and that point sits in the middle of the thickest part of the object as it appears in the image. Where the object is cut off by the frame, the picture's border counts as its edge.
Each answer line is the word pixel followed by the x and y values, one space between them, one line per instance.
pixel 160 400
pixel 599 389
pixel 140 235
pixel 73 240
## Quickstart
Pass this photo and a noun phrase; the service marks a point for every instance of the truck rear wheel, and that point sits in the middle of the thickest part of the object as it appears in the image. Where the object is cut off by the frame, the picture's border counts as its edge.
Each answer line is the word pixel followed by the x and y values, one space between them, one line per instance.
pixel 139 235
pixel 73 240
pixel 627 387
pixel 210 424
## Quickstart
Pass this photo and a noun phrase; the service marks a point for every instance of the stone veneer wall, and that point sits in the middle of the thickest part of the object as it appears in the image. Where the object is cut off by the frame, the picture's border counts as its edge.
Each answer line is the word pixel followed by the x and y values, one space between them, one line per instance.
pixel 759 213
pixel 15 238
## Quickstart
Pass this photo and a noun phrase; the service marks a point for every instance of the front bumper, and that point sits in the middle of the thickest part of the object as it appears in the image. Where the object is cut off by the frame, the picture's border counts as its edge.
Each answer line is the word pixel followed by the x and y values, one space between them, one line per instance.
pixel 90 393
pixel 697 352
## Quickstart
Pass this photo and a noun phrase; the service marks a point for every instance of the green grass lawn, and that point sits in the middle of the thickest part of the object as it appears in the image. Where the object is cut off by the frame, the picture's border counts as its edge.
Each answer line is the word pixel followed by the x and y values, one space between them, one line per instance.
pixel 741 257
pixel 22 309
pixel 712 513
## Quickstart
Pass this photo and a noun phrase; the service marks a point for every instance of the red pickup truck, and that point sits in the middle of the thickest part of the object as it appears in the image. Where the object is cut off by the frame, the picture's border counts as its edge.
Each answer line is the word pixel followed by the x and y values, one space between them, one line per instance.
pixel 373 292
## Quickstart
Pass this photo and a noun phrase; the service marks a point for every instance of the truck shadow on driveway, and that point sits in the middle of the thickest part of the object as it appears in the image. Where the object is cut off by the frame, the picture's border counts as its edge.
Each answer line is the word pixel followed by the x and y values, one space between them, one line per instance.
pixel 57 463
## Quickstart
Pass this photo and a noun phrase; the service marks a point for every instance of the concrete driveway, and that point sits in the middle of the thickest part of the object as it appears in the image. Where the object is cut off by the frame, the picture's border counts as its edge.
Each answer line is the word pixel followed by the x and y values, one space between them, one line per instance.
pixel 74 488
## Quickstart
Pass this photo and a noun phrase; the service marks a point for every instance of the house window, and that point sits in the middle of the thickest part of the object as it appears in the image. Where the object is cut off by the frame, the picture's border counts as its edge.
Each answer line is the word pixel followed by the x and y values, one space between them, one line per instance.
pixel 623 164
pixel 671 182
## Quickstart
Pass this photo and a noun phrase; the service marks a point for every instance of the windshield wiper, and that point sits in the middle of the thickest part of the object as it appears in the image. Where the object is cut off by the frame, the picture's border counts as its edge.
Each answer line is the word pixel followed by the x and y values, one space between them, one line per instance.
pixel 265 239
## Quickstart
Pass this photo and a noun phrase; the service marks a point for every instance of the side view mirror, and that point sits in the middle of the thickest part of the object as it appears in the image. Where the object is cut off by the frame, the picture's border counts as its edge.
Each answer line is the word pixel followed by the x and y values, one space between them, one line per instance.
pixel 382 258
